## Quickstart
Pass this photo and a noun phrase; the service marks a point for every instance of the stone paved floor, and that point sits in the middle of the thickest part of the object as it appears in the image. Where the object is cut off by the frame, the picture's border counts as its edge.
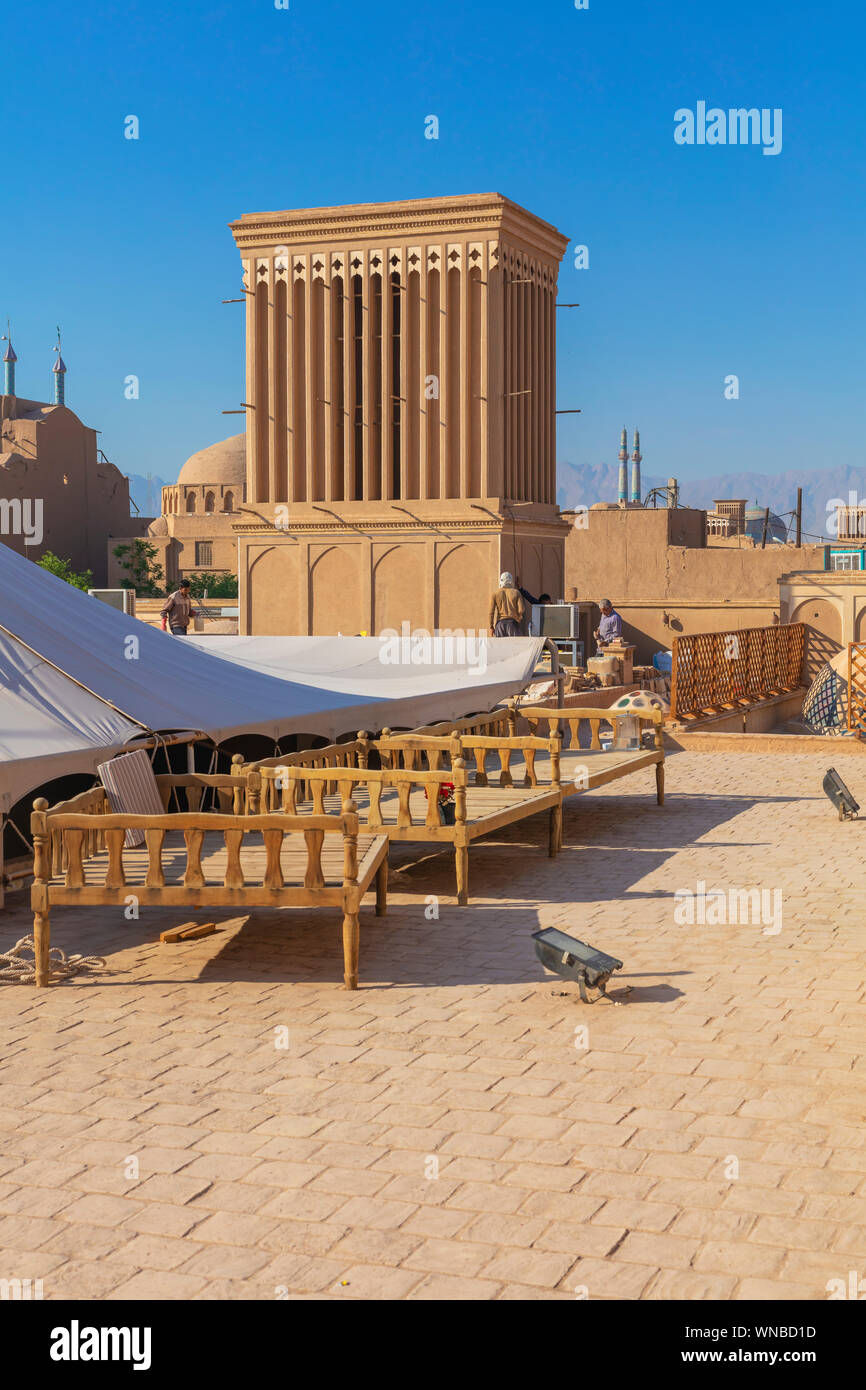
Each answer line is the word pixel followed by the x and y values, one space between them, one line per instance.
pixel 450 1131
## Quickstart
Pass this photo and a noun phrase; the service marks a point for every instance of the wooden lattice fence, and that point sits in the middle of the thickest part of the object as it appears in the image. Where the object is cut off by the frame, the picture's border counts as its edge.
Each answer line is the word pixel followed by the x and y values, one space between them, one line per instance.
pixel 857 688
pixel 714 671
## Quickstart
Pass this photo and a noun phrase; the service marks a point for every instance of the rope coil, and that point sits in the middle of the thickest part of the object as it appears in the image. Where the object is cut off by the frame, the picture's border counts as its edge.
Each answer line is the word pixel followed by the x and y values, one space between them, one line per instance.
pixel 16 969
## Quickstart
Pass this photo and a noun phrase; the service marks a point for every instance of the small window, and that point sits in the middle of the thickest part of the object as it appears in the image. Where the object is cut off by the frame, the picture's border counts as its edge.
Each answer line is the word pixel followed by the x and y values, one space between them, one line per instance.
pixel 228 502
pixel 190 502
pixel 204 553
pixel 846 559
pixel 209 502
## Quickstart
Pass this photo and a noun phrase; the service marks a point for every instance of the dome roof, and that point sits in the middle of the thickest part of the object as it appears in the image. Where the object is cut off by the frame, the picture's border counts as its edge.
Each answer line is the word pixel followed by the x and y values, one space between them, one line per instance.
pixel 776 528
pixel 225 463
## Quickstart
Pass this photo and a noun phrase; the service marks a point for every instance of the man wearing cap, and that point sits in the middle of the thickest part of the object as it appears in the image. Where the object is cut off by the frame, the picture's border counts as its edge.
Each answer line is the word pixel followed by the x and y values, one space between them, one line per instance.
pixel 610 626
pixel 507 609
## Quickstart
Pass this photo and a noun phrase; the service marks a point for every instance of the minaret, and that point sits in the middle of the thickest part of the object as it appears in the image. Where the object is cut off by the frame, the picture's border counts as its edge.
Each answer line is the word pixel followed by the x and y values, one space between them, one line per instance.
pixel 635 468
pixel 622 490
pixel 59 370
pixel 9 360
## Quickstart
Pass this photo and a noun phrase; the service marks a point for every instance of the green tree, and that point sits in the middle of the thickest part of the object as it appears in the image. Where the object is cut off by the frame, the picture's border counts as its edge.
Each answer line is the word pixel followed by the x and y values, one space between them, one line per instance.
pixel 63 569
pixel 143 574
pixel 218 583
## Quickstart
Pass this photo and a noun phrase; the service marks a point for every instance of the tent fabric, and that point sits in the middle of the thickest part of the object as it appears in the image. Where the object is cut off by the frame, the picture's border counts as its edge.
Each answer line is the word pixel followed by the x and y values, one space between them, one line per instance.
pixel 49 726
pixel 222 687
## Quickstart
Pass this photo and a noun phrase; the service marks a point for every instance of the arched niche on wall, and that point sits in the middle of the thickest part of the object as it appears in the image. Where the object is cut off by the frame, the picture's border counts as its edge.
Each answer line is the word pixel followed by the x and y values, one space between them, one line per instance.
pixel 335 592
pixel 823 623
pixel 398 588
pixel 463 588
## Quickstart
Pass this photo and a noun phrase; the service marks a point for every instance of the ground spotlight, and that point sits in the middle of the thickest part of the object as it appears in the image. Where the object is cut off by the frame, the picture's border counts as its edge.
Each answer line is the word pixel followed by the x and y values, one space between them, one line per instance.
pixel 839 794
pixel 574 960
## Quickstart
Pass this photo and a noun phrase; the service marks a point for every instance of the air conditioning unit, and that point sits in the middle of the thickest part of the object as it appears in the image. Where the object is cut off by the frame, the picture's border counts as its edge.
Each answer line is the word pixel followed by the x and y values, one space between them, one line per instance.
pixel 121 599
pixel 557 620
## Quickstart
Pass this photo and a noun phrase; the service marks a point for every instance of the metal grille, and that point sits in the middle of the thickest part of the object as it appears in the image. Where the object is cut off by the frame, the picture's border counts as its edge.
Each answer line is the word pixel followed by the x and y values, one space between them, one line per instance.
pixel 857 688
pixel 714 671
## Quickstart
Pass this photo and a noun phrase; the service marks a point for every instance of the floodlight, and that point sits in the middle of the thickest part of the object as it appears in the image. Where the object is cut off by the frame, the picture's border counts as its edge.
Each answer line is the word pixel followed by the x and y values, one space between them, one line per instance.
pixel 839 794
pixel 575 960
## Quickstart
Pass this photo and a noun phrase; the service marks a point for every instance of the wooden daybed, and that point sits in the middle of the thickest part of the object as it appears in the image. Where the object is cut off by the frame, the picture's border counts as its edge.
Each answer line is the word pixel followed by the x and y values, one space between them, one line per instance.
pixel 199 858
pixel 499 775
pixel 392 799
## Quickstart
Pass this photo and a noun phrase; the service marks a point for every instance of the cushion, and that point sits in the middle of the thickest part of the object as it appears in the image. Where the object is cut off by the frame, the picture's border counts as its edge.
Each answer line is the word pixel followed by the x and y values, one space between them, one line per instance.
pixel 132 789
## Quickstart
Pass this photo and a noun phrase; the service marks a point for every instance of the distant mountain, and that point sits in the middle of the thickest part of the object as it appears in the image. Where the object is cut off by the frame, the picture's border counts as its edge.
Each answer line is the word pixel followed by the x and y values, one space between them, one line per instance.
pixel 584 484
pixel 147 495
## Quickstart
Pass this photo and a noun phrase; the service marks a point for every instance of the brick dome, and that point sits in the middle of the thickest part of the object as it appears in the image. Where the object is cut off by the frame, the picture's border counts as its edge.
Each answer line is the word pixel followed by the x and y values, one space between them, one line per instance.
pixel 223 463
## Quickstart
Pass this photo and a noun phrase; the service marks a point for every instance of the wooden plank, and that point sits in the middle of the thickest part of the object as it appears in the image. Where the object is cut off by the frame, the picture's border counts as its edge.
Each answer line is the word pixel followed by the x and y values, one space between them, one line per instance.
pixel 186 930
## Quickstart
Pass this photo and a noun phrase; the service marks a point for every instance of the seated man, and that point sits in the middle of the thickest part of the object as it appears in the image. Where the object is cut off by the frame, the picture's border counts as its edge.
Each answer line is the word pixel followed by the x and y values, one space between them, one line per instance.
pixel 507 609
pixel 610 626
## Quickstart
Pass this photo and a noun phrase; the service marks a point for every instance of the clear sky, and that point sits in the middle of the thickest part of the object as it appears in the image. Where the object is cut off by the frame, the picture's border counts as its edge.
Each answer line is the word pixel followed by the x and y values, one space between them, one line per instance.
pixel 704 261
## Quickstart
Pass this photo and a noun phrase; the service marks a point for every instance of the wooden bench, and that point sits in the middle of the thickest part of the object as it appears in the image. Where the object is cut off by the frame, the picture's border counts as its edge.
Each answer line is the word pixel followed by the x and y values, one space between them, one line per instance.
pixel 199 858
pixel 400 799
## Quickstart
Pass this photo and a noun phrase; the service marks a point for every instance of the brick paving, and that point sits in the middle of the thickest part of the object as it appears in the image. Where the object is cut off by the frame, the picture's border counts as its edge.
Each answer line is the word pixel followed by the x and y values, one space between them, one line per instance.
pixel 450 1131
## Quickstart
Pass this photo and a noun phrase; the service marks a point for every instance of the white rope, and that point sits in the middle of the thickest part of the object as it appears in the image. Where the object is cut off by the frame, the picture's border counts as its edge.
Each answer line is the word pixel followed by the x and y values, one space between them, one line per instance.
pixel 16 969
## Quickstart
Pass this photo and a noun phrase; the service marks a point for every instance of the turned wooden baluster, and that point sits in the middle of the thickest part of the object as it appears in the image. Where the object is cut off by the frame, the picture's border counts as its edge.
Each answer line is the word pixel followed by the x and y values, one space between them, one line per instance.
pixel 39 892
pixel 290 793
pixel 404 815
pixel 254 791
pixel 530 780
pixel 234 875
pixel 595 725
pixel 385 754
pixel 273 869
pixel 114 875
pixel 319 798
pixel 239 789
pixel 314 878
pixel 74 842
pixel 193 876
pixel 458 772
pixel 154 837
pixel 432 817
pixel 555 757
pixel 480 767
pixel 505 778
pixel 374 812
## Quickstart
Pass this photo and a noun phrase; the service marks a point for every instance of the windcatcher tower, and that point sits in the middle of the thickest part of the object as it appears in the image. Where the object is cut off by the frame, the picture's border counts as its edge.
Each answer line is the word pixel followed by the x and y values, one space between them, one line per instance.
pixel 400 392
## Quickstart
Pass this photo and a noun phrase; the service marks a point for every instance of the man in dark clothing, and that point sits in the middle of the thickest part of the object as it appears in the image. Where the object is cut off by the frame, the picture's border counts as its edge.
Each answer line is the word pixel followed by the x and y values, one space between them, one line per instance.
pixel 529 601
pixel 178 609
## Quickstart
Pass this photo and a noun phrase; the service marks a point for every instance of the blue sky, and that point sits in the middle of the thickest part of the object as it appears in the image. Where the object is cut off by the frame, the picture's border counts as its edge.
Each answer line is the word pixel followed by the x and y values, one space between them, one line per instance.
pixel 704 261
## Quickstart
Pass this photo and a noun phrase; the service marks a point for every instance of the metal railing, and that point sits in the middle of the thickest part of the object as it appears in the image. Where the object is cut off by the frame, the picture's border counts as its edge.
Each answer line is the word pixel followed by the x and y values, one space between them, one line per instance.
pixel 714 671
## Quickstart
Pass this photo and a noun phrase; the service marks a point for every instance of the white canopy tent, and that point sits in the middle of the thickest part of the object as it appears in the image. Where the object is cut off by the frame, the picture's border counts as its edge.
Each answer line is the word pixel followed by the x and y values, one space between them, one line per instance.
pixel 53 635
pixel 47 722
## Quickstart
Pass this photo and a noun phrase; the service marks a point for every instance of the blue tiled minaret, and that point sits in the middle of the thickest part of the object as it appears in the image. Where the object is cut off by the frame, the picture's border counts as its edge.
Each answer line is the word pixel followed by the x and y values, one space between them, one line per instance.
pixel 635 468
pixel 59 370
pixel 622 490
pixel 9 360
